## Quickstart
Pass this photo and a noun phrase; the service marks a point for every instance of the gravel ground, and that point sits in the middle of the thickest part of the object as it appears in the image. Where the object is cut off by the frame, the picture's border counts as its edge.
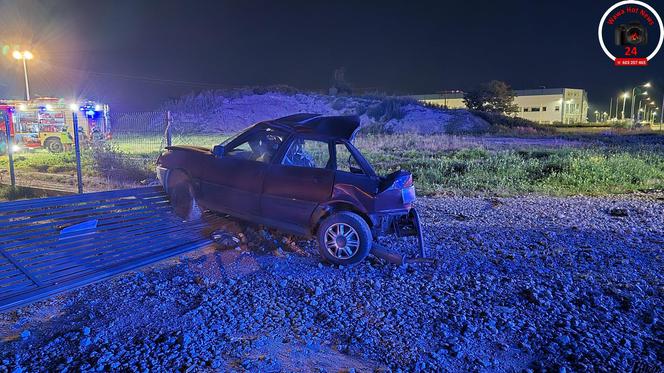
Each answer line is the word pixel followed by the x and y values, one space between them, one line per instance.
pixel 530 283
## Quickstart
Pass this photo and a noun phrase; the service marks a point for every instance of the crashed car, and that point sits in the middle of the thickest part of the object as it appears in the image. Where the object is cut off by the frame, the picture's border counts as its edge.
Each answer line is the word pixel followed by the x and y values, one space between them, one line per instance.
pixel 299 174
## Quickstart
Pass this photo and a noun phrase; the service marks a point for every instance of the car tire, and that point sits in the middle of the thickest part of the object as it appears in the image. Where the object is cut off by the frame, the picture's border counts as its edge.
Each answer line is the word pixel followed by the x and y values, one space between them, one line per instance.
pixel 182 196
pixel 344 238
pixel 54 145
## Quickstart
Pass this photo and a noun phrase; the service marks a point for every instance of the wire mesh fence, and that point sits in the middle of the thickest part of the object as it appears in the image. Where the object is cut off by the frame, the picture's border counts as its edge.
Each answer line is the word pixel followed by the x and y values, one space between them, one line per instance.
pixel 138 133
pixel 121 154
pixel 43 159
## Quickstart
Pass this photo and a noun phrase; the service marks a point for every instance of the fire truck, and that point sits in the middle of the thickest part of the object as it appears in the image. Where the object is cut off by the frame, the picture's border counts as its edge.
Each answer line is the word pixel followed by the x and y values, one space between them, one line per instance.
pixel 47 123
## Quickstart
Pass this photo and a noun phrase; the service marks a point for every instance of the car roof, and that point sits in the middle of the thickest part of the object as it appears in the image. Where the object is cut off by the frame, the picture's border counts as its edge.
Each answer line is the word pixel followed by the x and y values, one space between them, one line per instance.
pixel 336 127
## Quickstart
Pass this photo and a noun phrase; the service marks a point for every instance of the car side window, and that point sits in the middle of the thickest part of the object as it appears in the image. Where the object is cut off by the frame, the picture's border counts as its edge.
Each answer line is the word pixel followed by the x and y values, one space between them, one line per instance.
pixel 346 162
pixel 259 146
pixel 307 153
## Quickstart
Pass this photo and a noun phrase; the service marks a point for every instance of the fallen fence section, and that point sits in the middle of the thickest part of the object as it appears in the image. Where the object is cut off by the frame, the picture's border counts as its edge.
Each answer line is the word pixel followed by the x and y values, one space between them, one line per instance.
pixel 52 245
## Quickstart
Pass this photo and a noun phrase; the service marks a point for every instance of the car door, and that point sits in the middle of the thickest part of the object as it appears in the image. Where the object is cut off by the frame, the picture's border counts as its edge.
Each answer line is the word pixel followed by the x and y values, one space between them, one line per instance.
pixel 233 182
pixel 298 182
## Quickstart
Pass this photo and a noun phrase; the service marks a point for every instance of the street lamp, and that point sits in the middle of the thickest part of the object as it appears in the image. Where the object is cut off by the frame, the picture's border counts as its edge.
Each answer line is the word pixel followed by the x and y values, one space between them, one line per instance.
pixel 24 56
pixel 652 108
pixel 646 85
pixel 624 96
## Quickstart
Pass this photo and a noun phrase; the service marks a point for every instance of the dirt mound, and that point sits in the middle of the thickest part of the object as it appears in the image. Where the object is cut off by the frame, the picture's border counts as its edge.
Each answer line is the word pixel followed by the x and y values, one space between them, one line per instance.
pixel 230 111
pixel 425 120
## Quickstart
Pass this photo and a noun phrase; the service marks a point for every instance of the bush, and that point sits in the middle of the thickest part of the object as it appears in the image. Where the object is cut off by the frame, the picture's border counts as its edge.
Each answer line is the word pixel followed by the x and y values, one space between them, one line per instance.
pixel 119 166
pixel 374 129
pixel 504 123
pixel 388 109
pixel 8 193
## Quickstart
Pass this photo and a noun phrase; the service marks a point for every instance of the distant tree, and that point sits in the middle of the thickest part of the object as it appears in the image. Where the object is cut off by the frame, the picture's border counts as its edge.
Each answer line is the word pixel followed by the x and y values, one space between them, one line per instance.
pixel 339 84
pixel 494 97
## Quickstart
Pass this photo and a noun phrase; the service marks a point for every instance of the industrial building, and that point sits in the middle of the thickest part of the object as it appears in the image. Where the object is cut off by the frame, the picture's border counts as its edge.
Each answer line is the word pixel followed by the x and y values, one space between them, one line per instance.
pixel 545 106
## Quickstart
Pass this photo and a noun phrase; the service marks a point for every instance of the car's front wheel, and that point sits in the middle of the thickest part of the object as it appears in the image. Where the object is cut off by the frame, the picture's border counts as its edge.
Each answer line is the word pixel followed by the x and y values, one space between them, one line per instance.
pixel 182 196
pixel 344 238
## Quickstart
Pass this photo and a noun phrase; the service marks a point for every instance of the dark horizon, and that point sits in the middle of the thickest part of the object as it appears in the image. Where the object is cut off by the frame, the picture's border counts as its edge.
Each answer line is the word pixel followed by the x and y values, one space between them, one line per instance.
pixel 135 55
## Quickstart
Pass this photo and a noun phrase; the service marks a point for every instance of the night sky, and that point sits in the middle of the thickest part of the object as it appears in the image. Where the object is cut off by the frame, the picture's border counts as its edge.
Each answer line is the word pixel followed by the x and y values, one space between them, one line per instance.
pixel 135 54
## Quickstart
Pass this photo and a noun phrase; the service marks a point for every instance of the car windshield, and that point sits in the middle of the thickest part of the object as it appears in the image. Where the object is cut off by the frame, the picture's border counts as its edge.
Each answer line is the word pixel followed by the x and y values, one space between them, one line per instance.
pixel 260 145
pixel 232 138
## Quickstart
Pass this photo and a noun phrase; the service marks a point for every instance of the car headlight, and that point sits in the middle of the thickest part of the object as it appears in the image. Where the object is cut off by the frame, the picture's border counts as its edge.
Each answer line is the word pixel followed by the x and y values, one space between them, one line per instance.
pixel 408 195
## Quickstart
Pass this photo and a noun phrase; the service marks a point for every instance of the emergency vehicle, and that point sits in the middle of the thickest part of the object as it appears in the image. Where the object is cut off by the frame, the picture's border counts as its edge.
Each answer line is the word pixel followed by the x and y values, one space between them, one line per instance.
pixel 47 123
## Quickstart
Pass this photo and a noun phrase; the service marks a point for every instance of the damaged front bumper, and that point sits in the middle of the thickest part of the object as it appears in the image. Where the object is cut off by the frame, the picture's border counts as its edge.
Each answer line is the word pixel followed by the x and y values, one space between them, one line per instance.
pixel 401 225
pixel 162 176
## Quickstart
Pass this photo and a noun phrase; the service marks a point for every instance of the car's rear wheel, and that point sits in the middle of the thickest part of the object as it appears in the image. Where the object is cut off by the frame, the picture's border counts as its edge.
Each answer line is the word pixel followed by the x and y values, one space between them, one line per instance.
pixel 344 238
pixel 182 196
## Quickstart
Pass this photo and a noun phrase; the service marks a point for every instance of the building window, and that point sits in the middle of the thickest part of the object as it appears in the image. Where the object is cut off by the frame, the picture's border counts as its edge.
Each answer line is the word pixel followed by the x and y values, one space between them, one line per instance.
pixel 557 108
pixel 543 108
pixel 526 109
pixel 534 109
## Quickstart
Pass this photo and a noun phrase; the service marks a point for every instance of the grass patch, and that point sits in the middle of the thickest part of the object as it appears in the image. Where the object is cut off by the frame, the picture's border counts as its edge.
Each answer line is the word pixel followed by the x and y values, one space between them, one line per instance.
pixel 596 170
pixel 7 193
pixel 441 164
pixel 43 161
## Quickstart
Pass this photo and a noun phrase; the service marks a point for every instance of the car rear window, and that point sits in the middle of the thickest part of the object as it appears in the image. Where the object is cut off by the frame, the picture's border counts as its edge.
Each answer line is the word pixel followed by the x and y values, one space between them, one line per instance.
pixel 346 162
pixel 307 153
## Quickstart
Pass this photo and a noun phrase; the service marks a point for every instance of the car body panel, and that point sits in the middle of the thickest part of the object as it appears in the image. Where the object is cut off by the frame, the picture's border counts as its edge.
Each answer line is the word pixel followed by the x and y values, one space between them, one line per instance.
pixel 293 198
pixel 292 193
pixel 233 185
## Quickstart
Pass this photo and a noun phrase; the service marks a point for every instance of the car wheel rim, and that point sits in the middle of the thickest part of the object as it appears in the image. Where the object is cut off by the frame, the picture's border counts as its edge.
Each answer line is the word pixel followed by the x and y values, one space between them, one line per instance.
pixel 342 241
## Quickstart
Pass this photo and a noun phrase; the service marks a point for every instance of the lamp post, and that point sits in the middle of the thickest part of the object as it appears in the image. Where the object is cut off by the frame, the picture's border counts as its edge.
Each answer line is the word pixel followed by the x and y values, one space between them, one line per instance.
pixel 641 100
pixel 610 107
pixel 652 109
pixel 646 85
pixel 24 56
pixel 624 96
pixel 661 115
pixel 649 107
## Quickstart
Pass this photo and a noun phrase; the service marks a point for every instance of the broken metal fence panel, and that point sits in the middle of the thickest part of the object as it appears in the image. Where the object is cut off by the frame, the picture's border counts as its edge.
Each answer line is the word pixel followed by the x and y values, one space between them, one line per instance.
pixel 57 244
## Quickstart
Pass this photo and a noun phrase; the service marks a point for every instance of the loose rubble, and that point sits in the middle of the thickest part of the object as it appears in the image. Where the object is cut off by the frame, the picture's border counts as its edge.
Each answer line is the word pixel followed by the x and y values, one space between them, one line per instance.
pixel 521 284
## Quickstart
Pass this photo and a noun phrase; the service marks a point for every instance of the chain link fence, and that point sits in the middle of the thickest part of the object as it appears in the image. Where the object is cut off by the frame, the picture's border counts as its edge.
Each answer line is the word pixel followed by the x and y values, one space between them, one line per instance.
pixel 123 155
pixel 40 162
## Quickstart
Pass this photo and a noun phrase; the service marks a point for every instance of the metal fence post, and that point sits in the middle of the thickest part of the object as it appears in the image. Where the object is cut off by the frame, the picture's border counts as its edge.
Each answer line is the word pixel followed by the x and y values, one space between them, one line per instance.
pixel 169 121
pixel 77 149
pixel 9 148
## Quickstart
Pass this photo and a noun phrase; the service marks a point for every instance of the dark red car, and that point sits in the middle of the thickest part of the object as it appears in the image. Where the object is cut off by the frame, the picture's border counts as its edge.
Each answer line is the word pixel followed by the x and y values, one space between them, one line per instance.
pixel 300 174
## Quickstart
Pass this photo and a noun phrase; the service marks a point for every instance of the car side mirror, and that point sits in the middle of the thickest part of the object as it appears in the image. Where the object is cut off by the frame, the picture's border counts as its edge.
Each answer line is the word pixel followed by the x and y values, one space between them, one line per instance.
pixel 219 151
